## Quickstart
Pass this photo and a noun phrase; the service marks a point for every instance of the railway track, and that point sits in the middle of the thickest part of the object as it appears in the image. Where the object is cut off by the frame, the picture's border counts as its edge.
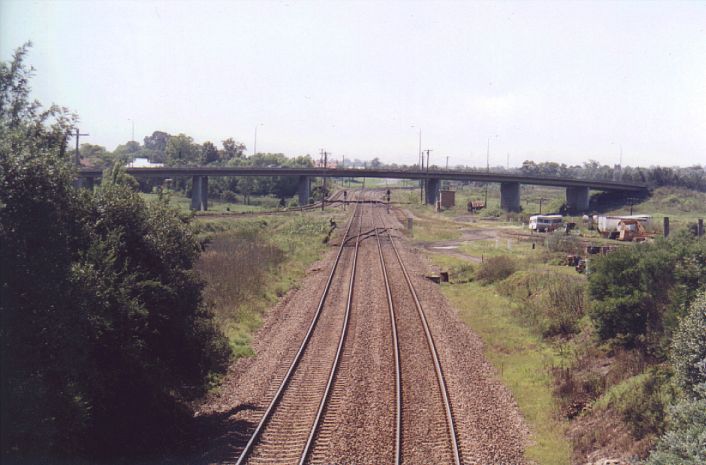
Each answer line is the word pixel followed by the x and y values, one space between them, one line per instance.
pixel 411 439
pixel 303 414
pixel 285 431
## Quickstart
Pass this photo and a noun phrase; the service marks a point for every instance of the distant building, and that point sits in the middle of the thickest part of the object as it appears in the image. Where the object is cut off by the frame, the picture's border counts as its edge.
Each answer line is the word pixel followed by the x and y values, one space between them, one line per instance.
pixel 143 163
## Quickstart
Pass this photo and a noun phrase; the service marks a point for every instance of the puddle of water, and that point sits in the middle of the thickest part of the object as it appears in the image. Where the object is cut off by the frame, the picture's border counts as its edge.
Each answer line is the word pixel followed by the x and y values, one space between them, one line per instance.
pixel 445 247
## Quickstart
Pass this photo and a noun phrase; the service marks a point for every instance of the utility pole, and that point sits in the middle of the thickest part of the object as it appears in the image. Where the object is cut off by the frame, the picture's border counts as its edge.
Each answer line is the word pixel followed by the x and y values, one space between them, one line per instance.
pixel 447 162
pixel 78 154
pixel 421 181
pixel 508 160
pixel 324 154
pixel 427 151
pixel 541 199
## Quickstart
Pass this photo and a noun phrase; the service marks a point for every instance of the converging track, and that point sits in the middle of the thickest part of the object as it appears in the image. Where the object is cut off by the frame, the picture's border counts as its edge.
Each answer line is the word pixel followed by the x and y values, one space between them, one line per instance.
pixel 362 370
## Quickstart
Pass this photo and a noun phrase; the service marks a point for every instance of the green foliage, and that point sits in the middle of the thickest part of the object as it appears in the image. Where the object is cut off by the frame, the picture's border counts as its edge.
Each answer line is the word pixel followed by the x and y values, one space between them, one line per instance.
pixel 642 400
pixel 552 303
pixel 688 354
pixel 495 269
pixel 559 241
pixel 103 330
pixel 637 292
pixel 684 442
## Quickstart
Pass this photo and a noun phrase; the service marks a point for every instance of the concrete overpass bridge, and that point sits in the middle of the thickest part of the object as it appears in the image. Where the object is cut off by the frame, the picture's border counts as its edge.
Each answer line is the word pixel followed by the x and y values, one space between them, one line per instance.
pixel 576 189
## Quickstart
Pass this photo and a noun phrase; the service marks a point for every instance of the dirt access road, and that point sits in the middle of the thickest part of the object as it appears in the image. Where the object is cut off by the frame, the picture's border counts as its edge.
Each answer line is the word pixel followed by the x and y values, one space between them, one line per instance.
pixel 365 363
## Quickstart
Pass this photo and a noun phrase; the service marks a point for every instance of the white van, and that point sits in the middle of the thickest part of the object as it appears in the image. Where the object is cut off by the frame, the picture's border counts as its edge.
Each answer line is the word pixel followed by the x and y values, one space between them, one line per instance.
pixel 544 223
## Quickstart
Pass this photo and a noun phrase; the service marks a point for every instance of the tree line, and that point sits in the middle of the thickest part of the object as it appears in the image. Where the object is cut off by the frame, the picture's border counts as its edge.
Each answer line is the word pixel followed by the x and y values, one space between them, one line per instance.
pixel 181 150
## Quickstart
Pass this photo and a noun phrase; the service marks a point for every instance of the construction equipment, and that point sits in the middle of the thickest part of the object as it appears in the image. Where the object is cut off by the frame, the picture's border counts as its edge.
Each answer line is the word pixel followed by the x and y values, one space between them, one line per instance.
pixel 632 230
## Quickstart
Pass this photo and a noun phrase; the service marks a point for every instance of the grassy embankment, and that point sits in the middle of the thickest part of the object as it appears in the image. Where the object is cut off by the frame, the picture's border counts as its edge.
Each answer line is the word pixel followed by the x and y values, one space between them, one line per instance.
pixel 521 356
pixel 682 206
pixel 250 262
pixel 519 353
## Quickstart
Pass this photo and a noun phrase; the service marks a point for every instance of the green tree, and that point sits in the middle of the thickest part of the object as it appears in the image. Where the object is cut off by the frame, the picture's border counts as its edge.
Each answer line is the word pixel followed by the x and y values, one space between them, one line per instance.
pixel 181 151
pixel 688 354
pixel 103 332
pixel 232 149
pixel 209 153
pixel 684 442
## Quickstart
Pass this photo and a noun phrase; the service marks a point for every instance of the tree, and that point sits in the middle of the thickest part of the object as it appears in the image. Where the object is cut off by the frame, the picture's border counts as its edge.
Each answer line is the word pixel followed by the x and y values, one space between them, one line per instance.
pixel 157 141
pixel 209 153
pixel 181 151
pixel 684 442
pixel 688 354
pixel 103 332
pixel 638 292
pixel 96 155
pixel 232 149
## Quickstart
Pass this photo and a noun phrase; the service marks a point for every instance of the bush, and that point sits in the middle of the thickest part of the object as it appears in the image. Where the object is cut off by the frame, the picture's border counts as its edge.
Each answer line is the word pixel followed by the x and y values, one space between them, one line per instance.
pixel 642 401
pixel 685 441
pixel 689 348
pixel 552 303
pixel 638 292
pixel 496 269
pixel 230 196
pixel 559 241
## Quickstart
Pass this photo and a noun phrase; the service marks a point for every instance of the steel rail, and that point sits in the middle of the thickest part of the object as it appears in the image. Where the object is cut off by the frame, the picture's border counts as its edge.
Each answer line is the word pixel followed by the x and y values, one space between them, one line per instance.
pixel 247 450
pixel 339 352
pixel 451 427
pixel 396 349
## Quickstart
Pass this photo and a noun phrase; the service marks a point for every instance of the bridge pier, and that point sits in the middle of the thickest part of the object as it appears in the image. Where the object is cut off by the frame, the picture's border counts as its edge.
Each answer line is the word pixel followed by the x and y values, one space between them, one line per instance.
pixel 510 196
pixel 199 193
pixel 431 192
pixel 303 190
pixel 577 199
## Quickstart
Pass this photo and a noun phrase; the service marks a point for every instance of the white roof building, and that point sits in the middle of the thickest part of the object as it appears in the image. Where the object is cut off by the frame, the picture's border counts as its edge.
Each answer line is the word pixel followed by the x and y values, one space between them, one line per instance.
pixel 143 163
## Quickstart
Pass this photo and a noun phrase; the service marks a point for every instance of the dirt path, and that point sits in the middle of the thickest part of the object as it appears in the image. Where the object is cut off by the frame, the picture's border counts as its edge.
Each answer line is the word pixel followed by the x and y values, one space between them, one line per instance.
pixel 358 422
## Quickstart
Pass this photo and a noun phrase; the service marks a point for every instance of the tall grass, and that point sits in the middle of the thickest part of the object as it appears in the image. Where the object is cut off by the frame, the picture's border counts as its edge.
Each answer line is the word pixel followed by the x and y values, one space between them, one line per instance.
pixel 249 263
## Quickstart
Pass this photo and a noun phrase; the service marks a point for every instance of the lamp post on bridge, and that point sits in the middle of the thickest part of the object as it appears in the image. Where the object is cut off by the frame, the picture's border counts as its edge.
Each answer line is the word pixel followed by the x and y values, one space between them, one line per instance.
pixel 254 145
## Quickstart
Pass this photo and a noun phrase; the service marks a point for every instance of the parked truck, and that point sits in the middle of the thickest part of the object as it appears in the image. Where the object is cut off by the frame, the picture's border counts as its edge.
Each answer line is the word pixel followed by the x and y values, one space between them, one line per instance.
pixel 608 225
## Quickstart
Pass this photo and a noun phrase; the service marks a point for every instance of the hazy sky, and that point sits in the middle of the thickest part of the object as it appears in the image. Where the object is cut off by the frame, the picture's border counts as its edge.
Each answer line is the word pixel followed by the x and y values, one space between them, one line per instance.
pixel 557 81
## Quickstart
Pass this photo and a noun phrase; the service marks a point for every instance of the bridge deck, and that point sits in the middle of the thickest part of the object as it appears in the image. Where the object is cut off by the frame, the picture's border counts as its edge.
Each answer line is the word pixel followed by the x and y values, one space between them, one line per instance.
pixel 453 175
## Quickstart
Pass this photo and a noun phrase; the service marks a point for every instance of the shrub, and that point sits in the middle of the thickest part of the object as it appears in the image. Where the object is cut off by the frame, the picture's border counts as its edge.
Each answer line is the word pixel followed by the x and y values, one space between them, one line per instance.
pixel 638 292
pixel 684 443
pixel 564 305
pixel 496 269
pixel 230 196
pixel 642 401
pixel 552 303
pixel 559 241
pixel 689 348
